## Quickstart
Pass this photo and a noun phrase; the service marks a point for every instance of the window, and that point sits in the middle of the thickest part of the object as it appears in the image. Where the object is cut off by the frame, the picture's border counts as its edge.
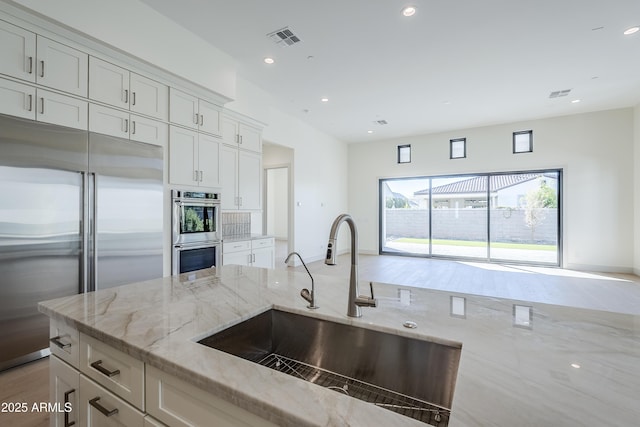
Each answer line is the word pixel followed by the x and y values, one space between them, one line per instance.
pixel 503 217
pixel 523 141
pixel 404 153
pixel 458 148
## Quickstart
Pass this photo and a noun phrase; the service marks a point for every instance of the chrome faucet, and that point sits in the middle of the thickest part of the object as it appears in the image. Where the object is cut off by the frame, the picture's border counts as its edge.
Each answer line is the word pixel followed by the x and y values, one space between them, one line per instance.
pixel 355 299
pixel 310 297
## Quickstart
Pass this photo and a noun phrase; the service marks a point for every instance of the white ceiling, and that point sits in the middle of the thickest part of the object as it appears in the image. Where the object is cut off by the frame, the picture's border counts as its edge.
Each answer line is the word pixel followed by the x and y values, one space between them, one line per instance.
pixel 455 64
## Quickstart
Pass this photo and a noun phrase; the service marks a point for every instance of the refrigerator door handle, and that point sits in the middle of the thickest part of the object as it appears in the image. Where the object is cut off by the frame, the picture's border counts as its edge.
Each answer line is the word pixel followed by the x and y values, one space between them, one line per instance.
pixel 92 237
pixel 84 232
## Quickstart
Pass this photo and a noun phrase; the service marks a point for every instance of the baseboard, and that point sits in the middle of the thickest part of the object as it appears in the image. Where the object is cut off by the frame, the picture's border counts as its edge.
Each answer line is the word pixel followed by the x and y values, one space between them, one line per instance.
pixel 601 268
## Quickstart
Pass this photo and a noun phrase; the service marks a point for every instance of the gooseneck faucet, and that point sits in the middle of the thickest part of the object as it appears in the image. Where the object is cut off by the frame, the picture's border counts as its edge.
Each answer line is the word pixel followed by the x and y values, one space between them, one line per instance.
pixel 355 299
pixel 310 297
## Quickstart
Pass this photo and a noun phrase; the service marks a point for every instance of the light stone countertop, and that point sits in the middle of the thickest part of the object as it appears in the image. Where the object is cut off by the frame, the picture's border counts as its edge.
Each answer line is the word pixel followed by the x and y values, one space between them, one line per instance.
pixel 508 375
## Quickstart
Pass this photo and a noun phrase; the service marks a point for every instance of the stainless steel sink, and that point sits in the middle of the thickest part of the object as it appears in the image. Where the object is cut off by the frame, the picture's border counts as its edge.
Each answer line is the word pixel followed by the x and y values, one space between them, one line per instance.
pixel 411 376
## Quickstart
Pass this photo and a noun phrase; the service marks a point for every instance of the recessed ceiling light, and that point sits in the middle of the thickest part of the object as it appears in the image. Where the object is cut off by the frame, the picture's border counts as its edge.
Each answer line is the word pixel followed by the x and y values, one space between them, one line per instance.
pixel 324 99
pixel 575 101
pixel 369 131
pixel 575 365
pixel 409 11
pixel 631 30
pixel 269 60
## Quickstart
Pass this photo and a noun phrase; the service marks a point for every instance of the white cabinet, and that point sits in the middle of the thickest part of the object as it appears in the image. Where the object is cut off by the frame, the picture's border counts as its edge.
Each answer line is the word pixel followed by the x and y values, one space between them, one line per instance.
pixel 119 87
pixel 61 67
pixel 99 407
pixel 193 158
pixel 64 390
pixel 239 134
pixel 18 52
pixel 119 123
pixel 257 252
pixel 178 403
pixel 192 112
pixel 240 178
pixel 40 60
pixel 22 100
pixel 17 99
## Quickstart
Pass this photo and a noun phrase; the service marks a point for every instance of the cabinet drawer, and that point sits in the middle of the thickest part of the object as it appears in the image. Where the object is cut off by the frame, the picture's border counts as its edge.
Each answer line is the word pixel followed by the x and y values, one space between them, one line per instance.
pixel 99 407
pixel 243 245
pixel 113 369
pixel 64 389
pixel 262 243
pixel 64 342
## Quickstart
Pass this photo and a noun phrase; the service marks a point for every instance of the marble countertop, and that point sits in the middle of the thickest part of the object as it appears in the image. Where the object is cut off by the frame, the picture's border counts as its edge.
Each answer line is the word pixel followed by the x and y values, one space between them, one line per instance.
pixel 521 363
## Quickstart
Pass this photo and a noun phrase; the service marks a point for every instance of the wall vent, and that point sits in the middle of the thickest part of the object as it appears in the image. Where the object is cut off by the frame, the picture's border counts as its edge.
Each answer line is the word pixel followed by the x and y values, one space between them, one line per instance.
pixel 284 37
pixel 559 93
pixel 380 122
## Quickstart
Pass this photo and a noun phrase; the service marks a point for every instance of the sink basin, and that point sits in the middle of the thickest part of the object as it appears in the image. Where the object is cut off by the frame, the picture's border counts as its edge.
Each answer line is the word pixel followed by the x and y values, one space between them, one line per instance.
pixel 414 377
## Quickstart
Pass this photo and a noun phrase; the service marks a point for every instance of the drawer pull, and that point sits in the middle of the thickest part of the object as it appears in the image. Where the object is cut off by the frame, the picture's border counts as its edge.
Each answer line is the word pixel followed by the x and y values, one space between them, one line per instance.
pixel 98 365
pixel 66 413
pixel 104 411
pixel 56 341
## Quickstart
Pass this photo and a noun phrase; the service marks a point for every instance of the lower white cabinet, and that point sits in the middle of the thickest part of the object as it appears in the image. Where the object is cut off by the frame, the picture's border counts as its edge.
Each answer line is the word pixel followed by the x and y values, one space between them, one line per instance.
pixel 100 407
pixel 21 100
pixel 256 252
pixel 178 403
pixel 110 121
pixel 64 391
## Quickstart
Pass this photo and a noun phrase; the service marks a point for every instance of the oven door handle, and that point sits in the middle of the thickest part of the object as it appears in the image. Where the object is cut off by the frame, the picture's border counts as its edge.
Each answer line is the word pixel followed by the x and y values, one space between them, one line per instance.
pixel 210 204
pixel 199 245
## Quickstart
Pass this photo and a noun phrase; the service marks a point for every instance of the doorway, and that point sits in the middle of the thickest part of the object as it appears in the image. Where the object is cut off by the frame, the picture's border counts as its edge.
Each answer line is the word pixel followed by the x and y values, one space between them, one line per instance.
pixel 276 212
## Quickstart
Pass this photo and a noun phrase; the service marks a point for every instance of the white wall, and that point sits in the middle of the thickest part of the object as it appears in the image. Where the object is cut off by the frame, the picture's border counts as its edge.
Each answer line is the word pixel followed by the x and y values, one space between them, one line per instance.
pixel 636 180
pixel 135 28
pixel 594 150
pixel 277 208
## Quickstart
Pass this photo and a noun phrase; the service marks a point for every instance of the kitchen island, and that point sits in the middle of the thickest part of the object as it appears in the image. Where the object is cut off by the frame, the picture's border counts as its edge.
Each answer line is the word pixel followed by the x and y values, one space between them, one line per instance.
pixel 521 363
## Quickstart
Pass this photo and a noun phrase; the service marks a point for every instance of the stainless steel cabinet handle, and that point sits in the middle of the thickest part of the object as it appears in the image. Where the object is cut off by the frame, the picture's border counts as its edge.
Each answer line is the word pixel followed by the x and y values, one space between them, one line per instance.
pixel 133 98
pixel 195 175
pixel 201 176
pixel 240 200
pixel 241 139
pixel 104 371
pixel 56 341
pixel 104 411
pixel 41 105
pixel 41 68
pixel 126 125
pixel 201 119
pixel 126 96
pixel 31 65
pixel 66 413
pixel 30 102
pixel 196 121
pixel 133 127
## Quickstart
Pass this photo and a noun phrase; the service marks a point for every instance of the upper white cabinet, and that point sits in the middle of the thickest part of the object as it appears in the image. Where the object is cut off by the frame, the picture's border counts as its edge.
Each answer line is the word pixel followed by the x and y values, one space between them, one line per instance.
pixel 237 133
pixel 119 123
pixel 17 99
pixel 119 87
pixel 193 158
pixel 190 111
pixel 240 178
pixel 40 60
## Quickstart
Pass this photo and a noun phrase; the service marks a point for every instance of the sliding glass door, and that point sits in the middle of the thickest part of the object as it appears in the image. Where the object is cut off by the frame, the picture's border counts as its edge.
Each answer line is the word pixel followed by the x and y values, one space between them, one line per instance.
pixel 506 217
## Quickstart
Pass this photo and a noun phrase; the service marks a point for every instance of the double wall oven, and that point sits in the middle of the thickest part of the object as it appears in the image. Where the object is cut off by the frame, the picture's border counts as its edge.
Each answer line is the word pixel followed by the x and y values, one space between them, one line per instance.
pixel 196 231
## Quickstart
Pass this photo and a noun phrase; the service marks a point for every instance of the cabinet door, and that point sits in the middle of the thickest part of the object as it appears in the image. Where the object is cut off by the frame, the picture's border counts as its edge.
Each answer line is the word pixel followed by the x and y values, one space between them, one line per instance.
pixel 64 390
pixel 183 151
pixel 148 130
pixel 183 109
pixel 264 257
pixel 249 179
pixel 108 83
pixel 250 138
pixel 229 130
pixel 209 118
pixel 61 110
pixel 237 258
pixel 62 67
pixel 149 97
pixel 229 176
pixel 17 99
pixel 208 160
pixel 108 121
pixel 18 52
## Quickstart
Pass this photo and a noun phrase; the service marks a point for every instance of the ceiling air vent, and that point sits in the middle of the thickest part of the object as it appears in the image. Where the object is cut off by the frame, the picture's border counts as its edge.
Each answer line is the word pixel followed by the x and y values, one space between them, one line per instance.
pixel 559 93
pixel 284 37
pixel 380 122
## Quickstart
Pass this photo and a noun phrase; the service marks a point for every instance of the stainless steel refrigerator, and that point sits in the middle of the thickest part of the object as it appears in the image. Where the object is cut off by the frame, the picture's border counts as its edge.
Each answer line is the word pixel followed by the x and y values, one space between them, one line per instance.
pixel 78 212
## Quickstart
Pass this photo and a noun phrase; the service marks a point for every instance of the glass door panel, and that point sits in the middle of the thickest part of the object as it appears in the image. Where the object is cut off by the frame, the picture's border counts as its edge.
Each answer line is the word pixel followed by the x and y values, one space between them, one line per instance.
pixel 404 216
pixel 524 217
pixel 459 216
